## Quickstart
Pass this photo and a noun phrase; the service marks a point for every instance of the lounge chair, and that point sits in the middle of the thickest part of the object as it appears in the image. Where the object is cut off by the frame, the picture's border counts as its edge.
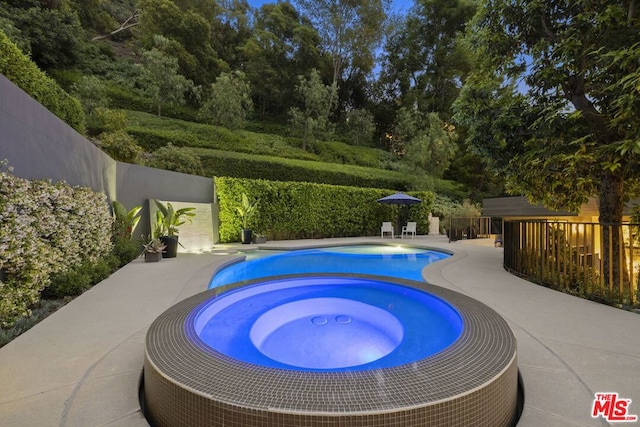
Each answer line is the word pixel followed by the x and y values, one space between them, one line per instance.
pixel 410 228
pixel 387 227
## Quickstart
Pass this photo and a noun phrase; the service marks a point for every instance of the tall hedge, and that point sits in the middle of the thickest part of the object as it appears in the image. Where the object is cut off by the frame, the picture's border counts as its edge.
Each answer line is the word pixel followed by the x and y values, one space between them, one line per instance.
pixel 18 68
pixel 294 210
pixel 241 165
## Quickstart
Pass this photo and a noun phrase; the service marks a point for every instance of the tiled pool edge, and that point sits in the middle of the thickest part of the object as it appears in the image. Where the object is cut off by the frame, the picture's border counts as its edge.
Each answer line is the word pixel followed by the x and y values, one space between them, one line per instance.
pixel 474 382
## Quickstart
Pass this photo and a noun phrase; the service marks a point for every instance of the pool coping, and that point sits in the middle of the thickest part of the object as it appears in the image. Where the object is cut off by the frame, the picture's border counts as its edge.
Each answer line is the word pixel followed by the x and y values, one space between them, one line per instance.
pixel 485 349
pixel 81 365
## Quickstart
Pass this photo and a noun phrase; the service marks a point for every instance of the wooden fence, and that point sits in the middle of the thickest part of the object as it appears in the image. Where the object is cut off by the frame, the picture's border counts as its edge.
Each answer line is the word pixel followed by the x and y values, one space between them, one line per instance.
pixel 591 260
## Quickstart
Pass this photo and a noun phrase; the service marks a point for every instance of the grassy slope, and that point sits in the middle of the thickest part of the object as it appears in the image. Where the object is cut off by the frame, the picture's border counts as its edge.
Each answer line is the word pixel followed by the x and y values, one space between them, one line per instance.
pixel 198 135
pixel 207 142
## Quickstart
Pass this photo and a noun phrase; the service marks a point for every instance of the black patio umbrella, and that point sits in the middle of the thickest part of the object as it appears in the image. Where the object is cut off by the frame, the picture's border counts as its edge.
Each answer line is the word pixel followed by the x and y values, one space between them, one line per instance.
pixel 400 199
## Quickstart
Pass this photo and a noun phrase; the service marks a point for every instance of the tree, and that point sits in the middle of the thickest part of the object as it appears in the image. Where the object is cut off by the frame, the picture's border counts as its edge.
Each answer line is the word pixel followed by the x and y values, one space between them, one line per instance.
pixel 283 45
pixel 107 26
pixel 361 126
pixel 230 101
pixel 187 25
pixel 576 132
pixel 425 63
pixel 160 79
pixel 14 34
pixel 312 120
pixel 91 92
pixel 429 143
pixel 54 33
pixel 579 114
pixel 350 30
pixel 230 31
pixel 94 16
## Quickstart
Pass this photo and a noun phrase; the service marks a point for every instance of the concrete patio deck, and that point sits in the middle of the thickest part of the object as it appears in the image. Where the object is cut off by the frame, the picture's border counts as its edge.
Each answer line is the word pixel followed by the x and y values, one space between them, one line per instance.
pixel 81 366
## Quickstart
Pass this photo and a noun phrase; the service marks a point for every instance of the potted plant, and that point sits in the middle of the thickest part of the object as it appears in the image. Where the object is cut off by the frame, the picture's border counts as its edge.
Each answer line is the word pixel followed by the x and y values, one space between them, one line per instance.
pixel 246 211
pixel 153 248
pixel 168 220
pixel 259 238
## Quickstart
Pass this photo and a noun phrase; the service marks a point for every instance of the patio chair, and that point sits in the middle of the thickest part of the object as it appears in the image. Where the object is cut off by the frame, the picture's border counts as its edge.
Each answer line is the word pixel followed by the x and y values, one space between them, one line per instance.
pixel 410 228
pixel 387 227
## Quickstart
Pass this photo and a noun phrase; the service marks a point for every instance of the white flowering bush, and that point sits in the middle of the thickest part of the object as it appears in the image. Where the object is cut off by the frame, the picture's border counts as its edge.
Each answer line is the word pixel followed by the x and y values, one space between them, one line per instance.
pixel 45 229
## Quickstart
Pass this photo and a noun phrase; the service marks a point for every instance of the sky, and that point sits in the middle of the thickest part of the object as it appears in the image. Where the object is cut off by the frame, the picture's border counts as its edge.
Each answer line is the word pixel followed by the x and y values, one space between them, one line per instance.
pixel 400 6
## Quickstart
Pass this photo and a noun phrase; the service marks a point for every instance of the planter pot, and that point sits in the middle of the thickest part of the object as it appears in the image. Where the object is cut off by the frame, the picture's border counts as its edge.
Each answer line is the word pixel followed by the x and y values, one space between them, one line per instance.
pixel 171 251
pixel 245 237
pixel 152 256
pixel 260 239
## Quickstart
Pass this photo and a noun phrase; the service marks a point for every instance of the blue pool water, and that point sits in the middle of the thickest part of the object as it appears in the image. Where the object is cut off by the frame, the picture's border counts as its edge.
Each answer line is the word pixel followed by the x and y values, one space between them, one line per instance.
pixel 379 260
pixel 327 323
pixel 321 321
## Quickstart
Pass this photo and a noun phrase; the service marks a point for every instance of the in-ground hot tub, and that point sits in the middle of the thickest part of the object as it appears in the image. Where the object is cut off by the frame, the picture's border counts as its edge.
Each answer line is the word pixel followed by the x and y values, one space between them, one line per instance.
pixel 330 350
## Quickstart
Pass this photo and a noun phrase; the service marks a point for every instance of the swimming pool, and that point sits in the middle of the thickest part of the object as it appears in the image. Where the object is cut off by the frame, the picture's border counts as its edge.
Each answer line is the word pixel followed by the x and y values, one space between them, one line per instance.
pixel 188 381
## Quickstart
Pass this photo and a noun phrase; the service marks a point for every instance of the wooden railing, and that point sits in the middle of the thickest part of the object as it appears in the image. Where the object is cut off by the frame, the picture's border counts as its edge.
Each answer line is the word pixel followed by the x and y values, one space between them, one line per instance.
pixel 591 260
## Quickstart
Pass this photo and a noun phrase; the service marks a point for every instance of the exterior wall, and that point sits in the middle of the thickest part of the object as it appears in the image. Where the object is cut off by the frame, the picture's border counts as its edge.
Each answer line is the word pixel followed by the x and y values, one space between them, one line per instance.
pixel 38 145
pixel 137 184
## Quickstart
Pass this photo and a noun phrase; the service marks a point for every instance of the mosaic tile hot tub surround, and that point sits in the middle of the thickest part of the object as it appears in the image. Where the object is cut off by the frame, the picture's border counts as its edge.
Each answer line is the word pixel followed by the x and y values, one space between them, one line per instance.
pixel 472 382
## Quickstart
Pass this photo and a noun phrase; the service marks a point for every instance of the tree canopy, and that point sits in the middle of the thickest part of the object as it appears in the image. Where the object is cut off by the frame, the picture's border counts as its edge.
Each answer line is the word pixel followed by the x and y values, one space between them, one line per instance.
pixel 349 30
pixel 553 103
pixel 283 46
pixel 425 62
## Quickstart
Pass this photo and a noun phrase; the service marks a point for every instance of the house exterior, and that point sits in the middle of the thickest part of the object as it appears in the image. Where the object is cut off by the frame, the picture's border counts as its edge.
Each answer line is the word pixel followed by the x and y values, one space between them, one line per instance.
pixel 519 208
pixel 570 251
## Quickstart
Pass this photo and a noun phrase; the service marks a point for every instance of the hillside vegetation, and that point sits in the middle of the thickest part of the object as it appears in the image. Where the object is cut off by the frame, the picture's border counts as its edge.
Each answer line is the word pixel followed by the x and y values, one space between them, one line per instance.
pixel 153 132
pixel 222 88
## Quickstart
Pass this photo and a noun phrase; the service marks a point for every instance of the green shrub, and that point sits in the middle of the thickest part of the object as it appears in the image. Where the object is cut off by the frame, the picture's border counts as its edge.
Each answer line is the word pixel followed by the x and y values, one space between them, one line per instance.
pixel 81 278
pixel 292 210
pixel 121 97
pixel 239 165
pixel 154 139
pixel 120 146
pixel 69 283
pixel 67 79
pixel 452 189
pixel 107 120
pixel 18 68
pixel 339 152
pixel 45 229
pixel 126 250
pixel 268 127
pixel 41 310
pixel 175 159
